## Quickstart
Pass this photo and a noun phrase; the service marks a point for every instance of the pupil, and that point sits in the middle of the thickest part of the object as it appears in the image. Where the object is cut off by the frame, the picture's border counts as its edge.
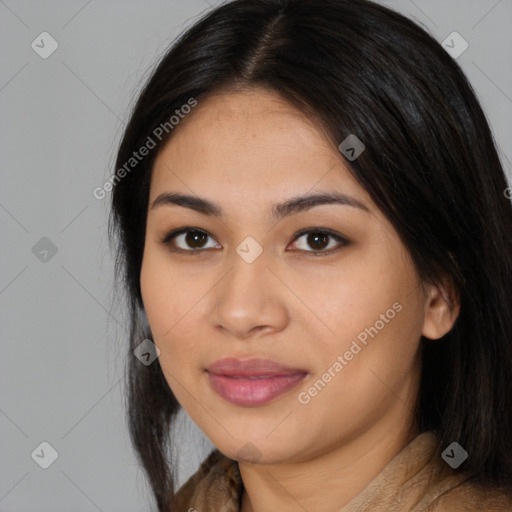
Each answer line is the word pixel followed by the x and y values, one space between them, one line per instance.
pixel 318 239
pixel 195 237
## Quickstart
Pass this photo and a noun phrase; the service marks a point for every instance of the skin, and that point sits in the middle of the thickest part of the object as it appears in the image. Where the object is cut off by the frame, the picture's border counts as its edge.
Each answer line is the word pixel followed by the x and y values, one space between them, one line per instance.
pixel 247 151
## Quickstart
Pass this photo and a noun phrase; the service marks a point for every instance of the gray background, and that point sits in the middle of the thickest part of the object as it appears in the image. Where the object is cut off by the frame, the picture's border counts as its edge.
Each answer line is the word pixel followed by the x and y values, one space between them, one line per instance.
pixel 63 353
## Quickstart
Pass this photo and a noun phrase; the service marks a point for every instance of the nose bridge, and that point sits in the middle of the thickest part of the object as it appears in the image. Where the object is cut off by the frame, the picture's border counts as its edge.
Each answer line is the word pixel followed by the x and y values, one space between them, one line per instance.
pixel 246 281
pixel 247 298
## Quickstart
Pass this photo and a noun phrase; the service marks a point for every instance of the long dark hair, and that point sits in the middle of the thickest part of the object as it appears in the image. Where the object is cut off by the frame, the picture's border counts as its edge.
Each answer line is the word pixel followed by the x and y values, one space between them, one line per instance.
pixel 430 165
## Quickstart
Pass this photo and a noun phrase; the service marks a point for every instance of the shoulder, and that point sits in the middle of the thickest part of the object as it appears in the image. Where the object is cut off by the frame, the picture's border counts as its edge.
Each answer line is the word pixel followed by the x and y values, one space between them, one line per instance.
pixel 419 480
pixel 470 496
pixel 216 483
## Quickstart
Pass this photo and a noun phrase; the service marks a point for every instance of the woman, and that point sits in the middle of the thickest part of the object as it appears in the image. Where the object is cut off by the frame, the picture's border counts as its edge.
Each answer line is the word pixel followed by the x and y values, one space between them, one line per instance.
pixel 313 230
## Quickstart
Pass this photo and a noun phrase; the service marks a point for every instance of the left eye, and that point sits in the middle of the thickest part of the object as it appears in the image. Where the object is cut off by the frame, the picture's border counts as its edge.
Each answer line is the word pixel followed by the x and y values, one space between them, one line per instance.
pixel 319 241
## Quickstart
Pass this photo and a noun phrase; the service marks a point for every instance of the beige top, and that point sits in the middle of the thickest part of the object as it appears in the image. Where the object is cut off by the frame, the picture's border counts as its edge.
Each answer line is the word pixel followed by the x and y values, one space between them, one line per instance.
pixel 417 479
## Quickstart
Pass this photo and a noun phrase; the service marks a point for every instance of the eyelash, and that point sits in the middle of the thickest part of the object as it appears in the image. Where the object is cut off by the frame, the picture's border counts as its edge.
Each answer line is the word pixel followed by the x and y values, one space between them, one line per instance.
pixel 168 238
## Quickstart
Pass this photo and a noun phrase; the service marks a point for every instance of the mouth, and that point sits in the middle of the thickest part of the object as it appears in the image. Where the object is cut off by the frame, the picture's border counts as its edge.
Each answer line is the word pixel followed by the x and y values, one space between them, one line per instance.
pixel 252 382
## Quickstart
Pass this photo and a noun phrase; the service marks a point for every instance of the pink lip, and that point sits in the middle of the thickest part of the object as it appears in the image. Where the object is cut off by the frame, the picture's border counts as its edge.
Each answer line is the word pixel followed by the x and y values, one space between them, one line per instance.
pixel 252 382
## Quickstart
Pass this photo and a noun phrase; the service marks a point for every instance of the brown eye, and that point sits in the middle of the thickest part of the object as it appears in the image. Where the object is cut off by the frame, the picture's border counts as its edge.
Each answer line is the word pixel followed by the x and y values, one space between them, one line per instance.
pixel 195 239
pixel 320 241
pixel 188 240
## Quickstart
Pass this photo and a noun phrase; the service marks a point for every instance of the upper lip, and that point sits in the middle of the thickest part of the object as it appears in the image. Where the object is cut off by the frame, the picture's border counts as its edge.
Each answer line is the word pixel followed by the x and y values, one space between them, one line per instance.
pixel 256 367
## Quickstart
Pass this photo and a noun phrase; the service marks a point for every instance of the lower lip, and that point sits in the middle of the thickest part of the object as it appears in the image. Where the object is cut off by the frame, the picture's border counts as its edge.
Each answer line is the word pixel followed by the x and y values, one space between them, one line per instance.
pixel 255 391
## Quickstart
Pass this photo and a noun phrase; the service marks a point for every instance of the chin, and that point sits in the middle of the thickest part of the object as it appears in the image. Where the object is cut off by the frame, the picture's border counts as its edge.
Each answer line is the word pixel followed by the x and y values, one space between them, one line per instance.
pixel 254 451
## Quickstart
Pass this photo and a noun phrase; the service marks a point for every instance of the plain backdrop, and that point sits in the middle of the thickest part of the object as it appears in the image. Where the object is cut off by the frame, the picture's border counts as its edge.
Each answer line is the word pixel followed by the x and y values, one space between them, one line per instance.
pixel 62 348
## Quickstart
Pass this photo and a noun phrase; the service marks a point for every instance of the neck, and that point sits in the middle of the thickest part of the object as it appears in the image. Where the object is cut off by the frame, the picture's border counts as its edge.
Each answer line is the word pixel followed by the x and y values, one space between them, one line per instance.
pixel 328 481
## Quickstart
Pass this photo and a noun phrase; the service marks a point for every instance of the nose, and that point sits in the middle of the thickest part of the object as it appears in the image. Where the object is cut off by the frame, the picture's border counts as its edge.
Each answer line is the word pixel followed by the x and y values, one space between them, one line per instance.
pixel 250 300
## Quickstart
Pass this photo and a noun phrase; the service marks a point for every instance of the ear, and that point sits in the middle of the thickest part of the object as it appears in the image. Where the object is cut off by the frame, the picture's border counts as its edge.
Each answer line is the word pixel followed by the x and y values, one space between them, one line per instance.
pixel 442 307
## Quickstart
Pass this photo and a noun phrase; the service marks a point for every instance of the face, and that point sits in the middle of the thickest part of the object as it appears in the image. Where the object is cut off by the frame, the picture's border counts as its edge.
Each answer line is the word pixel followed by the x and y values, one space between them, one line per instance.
pixel 325 290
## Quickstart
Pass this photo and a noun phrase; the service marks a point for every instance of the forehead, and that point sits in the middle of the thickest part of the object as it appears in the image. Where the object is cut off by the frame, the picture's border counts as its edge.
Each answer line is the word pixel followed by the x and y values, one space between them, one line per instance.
pixel 251 146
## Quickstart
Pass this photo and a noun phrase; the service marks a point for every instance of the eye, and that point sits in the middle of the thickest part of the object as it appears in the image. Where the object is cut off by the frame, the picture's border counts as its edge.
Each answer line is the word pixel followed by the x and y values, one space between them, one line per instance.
pixel 318 239
pixel 191 240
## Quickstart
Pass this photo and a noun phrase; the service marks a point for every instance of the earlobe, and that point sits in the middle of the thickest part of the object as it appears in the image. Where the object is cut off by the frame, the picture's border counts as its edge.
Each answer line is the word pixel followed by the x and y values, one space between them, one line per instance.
pixel 442 308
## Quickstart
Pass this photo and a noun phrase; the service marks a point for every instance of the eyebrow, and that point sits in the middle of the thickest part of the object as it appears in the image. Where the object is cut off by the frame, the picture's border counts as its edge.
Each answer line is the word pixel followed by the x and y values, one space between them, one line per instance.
pixel 291 206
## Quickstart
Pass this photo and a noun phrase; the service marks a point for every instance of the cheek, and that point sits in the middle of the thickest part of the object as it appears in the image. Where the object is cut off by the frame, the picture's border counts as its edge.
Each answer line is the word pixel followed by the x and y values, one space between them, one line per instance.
pixel 166 298
pixel 366 288
pixel 172 303
pixel 368 367
pixel 374 311
pixel 154 295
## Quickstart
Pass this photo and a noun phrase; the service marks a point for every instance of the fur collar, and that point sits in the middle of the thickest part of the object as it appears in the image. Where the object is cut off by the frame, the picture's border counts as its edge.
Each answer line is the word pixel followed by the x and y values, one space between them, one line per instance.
pixel 417 479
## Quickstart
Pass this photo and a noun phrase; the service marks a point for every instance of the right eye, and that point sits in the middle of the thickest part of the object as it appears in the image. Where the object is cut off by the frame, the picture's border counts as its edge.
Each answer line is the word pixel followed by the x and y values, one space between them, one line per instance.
pixel 191 240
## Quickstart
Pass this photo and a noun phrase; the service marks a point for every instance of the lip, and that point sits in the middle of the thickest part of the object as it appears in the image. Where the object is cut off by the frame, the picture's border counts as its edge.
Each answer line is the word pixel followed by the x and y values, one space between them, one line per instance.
pixel 252 382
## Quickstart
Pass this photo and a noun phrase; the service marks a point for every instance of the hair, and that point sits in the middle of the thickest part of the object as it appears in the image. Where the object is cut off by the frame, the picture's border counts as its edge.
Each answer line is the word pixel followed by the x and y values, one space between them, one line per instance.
pixel 430 165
